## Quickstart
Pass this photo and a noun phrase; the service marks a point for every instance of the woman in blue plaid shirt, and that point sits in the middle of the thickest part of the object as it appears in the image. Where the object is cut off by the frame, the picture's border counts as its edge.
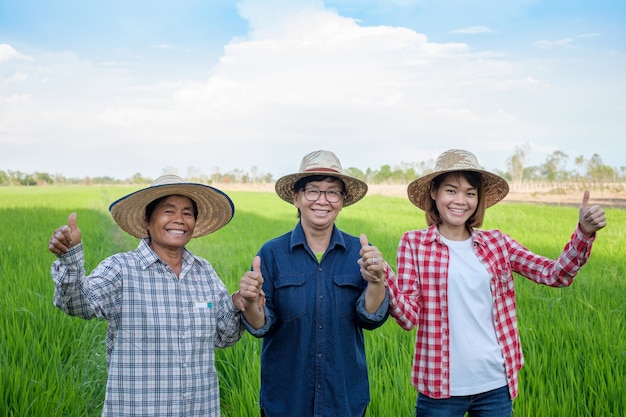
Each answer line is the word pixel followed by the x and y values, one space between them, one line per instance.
pixel 167 309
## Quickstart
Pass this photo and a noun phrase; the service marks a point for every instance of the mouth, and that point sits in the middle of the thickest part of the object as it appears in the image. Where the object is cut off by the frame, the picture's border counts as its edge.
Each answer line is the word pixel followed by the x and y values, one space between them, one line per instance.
pixel 458 211
pixel 176 232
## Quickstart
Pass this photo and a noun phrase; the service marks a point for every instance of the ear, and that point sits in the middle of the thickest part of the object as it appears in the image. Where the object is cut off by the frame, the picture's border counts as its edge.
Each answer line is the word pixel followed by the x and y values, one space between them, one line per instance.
pixel 433 193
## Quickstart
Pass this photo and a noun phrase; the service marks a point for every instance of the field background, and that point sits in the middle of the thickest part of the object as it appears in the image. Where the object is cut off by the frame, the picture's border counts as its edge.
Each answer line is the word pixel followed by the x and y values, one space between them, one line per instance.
pixel 574 339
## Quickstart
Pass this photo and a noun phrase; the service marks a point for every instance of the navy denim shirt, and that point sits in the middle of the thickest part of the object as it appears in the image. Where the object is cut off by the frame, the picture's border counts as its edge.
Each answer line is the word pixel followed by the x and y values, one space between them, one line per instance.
pixel 313 356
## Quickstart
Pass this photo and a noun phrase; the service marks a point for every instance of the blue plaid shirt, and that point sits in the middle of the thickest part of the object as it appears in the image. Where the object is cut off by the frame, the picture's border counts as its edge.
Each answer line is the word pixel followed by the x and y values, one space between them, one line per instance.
pixel 313 355
pixel 162 330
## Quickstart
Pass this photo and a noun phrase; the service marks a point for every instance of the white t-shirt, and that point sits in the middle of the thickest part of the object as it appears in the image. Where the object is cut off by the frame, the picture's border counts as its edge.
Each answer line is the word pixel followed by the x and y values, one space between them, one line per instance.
pixel 476 361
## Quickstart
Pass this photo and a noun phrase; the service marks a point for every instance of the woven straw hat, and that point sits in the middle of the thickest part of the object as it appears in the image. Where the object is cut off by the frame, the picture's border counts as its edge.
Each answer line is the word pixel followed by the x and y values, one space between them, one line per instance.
pixel 496 188
pixel 215 209
pixel 321 163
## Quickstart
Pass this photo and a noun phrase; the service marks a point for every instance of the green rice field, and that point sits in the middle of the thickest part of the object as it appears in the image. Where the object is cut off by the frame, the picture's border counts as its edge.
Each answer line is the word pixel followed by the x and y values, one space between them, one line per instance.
pixel 574 338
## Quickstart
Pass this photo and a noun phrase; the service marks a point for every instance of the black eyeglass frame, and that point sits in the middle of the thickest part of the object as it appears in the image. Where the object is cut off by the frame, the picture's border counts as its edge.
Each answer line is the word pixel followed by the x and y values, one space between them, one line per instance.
pixel 318 193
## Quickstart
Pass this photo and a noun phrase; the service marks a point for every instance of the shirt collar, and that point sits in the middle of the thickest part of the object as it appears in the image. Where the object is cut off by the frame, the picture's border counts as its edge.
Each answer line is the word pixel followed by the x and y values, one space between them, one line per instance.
pixel 298 238
pixel 433 235
pixel 149 257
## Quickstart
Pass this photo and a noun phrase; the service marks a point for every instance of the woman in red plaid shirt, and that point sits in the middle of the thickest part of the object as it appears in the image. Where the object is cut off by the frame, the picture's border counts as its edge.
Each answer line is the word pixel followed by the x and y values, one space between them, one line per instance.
pixel 455 283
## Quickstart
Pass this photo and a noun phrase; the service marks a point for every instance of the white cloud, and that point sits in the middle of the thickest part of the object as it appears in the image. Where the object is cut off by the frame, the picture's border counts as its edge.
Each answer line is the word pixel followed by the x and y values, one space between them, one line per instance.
pixel 546 44
pixel 7 53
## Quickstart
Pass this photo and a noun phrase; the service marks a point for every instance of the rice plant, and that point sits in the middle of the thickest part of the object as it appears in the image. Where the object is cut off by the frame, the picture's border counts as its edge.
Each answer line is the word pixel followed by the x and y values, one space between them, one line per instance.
pixel 574 338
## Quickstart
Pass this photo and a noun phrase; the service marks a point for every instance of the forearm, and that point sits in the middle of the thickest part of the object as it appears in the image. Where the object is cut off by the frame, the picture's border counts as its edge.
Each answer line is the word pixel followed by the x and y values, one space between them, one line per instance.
pixel 252 311
pixel 374 296
pixel 68 275
pixel 254 315
pixel 402 307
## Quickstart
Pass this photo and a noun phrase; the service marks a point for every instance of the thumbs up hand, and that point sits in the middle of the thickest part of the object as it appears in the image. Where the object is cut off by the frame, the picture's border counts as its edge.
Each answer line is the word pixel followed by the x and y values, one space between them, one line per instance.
pixel 591 218
pixel 371 262
pixel 65 237
pixel 250 287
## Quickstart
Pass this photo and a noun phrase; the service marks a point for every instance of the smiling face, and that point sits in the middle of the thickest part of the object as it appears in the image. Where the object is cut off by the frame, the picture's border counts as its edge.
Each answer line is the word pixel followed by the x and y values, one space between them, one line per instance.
pixel 456 201
pixel 319 214
pixel 171 223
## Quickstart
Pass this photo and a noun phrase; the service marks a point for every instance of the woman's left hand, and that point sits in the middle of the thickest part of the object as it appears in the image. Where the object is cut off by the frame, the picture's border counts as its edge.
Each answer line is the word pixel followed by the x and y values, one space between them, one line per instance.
pixel 591 218
pixel 371 262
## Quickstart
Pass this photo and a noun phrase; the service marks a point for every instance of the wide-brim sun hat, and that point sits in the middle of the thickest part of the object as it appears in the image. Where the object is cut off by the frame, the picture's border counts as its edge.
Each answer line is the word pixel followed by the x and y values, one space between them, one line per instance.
pixel 215 208
pixel 495 187
pixel 321 163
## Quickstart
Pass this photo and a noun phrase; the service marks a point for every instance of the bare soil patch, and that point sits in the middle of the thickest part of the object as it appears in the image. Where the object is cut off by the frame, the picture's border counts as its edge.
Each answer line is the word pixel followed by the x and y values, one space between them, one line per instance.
pixel 605 199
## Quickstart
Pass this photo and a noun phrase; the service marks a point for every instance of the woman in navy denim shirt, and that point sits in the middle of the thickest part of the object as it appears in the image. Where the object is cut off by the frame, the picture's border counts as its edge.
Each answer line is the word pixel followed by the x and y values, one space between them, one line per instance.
pixel 322 288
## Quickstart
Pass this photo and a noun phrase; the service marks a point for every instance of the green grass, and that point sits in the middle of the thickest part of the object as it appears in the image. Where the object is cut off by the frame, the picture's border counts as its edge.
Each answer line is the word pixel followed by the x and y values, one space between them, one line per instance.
pixel 574 339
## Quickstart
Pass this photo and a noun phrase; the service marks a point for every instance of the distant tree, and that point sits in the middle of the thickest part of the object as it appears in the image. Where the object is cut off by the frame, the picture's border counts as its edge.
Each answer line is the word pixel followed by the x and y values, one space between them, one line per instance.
pixel 267 178
pixel 552 168
pixel 4 178
pixel 356 173
pixel 194 174
pixel 104 180
pixel 532 173
pixel 254 171
pixel 170 170
pixel 515 163
pixel 598 172
pixel 383 175
pixel 580 162
pixel 59 179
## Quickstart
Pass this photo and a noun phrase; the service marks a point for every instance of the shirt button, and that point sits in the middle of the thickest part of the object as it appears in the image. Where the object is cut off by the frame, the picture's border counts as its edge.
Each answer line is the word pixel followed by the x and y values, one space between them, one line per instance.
pixel 320 326
pixel 319 355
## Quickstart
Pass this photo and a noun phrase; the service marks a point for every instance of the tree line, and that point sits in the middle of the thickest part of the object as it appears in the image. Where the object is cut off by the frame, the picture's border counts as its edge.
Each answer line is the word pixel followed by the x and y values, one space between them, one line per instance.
pixel 552 170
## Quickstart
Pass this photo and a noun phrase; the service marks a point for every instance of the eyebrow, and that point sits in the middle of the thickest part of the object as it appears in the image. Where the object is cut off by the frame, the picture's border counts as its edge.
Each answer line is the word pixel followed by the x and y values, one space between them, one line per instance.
pixel 170 205
pixel 336 187
pixel 456 186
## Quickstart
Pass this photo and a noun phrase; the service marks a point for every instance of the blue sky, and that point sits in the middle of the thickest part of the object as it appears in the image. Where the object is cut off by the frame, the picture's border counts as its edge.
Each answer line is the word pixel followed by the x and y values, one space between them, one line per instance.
pixel 91 88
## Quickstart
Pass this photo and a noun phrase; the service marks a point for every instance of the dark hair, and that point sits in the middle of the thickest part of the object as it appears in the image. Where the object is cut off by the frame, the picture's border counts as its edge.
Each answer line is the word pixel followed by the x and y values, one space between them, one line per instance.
pixel 153 205
pixel 302 182
pixel 475 180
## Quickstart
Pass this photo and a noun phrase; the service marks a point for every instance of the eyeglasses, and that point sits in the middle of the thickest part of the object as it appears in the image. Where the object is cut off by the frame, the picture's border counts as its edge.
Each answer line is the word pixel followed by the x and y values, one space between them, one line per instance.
pixel 312 194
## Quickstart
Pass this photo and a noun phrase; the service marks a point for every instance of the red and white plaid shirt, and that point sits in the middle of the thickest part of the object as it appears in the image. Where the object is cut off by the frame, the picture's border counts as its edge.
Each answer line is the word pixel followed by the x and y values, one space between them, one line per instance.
pixel 419 297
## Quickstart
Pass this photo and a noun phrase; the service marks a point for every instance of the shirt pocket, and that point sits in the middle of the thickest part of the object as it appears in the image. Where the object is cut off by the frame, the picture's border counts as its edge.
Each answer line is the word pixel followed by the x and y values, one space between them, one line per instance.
pixel 505 282
pixel 290 296
pixel 203 321
pixel 347 291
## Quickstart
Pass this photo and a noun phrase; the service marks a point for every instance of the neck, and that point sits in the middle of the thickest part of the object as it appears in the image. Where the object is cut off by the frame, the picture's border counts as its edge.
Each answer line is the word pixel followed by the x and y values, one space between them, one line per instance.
pixel 317 239
pixel 172 257
pixel 454 232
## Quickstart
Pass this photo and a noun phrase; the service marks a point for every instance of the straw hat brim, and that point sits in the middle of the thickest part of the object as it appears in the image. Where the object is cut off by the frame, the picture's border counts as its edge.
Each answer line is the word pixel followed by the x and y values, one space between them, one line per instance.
pixel 215 208
pixel 355 188
pixel 495 187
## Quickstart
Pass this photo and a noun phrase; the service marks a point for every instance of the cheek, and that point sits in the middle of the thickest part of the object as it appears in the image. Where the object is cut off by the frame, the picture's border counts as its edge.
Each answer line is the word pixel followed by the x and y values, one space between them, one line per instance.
pixel 296 201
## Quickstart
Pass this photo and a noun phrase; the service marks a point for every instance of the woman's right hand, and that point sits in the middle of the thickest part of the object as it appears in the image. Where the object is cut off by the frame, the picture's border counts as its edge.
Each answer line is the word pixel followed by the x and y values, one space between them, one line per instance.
pixel 65 237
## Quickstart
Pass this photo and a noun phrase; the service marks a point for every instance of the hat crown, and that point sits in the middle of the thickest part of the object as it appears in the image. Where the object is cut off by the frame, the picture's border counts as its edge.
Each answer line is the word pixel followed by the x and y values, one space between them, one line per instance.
pixel 167 179
pixel 321 161
pixel 456 160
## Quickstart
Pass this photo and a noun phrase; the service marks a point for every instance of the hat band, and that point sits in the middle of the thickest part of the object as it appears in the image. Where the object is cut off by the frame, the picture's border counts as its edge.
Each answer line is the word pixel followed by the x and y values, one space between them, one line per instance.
pixel 323 170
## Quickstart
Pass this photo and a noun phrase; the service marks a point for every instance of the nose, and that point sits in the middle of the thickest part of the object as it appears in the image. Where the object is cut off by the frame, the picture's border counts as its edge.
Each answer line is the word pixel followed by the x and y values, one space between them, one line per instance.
pixel 178 217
